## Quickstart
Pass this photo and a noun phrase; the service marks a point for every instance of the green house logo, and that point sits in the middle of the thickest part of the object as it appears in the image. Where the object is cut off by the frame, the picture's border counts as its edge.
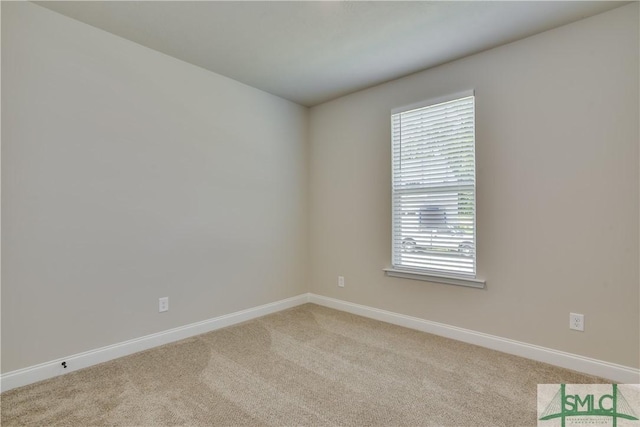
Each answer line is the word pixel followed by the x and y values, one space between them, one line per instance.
pixel 614 406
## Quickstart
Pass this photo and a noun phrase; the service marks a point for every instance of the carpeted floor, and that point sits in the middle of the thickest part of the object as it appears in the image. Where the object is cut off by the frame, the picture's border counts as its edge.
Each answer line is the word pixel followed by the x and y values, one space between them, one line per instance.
pixel 309 365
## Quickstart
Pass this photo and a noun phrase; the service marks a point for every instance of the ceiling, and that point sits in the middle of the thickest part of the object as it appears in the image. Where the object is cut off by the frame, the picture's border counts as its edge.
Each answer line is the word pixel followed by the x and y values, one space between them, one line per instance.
pixel 313 51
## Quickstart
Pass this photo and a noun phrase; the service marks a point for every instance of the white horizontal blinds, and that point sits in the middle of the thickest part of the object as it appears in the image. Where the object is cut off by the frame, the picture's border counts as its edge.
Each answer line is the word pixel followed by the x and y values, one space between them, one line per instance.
pixel 434 188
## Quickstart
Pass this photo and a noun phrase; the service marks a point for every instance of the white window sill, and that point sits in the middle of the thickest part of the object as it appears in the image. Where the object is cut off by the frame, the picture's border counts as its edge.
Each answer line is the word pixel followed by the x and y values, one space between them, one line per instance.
pixel 449 280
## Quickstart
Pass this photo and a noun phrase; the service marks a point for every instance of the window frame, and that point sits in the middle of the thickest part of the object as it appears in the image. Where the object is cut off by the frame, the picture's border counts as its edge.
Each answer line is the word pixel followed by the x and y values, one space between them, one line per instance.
pixel 452 278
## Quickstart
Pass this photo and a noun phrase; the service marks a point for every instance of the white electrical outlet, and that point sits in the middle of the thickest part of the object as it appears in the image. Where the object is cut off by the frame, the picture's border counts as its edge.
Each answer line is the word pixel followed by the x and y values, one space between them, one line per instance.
pixel 576 321
pixel 341 281
pixel 163 304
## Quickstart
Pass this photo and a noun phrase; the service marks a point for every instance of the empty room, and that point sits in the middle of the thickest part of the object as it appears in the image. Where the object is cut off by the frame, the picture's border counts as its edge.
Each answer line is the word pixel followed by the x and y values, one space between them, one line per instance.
pixel 421 213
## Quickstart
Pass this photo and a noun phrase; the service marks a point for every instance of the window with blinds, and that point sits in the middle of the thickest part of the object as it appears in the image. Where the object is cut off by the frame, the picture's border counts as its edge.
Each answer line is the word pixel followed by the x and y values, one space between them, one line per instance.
pixel 434 195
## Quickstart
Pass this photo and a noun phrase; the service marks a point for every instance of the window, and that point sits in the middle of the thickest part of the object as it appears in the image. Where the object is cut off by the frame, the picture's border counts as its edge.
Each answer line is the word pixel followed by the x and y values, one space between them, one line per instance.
pixel 434 188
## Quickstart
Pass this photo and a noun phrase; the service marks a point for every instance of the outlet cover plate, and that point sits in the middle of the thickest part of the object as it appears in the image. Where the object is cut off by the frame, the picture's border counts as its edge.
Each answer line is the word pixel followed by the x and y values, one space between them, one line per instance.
pixel 576 321
pixel 163 304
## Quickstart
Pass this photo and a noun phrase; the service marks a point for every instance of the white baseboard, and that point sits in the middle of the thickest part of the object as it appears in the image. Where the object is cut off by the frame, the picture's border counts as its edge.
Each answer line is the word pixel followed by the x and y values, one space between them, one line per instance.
pixel 43 371
pixel 54 368
pixel 611 371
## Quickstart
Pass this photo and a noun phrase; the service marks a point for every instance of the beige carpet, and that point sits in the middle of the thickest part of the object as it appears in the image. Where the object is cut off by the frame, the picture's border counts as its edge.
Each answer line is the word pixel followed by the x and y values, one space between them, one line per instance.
pixel 309 365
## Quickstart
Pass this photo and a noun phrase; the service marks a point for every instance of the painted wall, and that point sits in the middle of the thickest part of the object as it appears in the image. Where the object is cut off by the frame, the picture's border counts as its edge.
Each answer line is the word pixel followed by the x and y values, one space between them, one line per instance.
pixel 557 199
pixel 128 175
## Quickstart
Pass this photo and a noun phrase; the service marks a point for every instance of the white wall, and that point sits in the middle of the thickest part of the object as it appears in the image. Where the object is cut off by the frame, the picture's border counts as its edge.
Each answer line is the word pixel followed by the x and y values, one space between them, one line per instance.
pixel 128 175
pixel 557 173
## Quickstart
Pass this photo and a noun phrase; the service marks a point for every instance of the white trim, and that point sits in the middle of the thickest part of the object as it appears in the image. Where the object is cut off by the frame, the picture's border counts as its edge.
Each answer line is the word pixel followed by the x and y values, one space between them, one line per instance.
pixel 434 101
pixel 43 371
pixel 54 368
pixel 611 371
pixel 429 277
